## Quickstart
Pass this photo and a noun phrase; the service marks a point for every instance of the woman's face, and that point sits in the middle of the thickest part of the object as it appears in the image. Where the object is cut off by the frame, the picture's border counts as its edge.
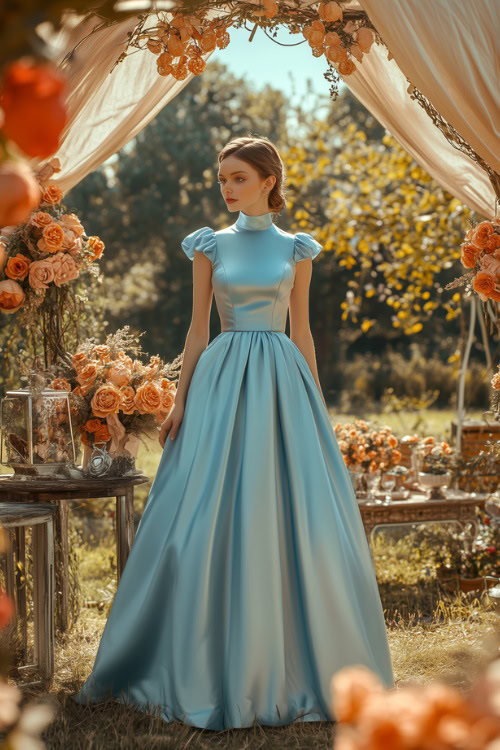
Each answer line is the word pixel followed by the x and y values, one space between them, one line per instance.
pixel 243 188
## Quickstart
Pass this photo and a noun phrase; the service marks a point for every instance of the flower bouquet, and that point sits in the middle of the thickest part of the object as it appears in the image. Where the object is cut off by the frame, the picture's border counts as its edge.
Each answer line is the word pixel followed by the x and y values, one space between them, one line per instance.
pixel 480 253
pixel 117 399
pixel 39 259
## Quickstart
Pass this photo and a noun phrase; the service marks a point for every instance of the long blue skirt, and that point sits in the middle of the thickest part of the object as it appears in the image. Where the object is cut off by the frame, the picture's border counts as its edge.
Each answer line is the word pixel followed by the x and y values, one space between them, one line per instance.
pixel 250 581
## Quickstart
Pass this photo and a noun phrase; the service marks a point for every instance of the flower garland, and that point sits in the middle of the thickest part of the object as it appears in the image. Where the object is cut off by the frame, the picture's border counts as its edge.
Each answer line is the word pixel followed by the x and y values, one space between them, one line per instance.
pixel 179 44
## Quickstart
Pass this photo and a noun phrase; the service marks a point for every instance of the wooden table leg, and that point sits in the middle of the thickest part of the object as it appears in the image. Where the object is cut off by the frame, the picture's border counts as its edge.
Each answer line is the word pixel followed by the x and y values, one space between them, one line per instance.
pixel 20 575
pixel 125 531
pixel 43 604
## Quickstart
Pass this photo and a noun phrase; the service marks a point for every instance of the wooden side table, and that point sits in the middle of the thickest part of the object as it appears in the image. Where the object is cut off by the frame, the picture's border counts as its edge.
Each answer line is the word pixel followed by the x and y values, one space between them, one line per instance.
pixel 61 492
pixel 459 508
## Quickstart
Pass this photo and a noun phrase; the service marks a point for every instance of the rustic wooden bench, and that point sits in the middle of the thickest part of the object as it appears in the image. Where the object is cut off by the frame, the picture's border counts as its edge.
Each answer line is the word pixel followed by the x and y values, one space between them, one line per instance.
pixel 15 517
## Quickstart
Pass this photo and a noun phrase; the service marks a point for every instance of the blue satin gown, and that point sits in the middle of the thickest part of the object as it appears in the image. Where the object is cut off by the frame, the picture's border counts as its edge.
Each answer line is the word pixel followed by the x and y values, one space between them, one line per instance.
pixel 250 581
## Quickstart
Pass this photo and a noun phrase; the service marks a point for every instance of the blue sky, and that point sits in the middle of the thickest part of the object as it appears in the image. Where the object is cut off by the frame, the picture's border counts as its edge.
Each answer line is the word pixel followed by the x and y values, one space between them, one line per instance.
pixel 263 61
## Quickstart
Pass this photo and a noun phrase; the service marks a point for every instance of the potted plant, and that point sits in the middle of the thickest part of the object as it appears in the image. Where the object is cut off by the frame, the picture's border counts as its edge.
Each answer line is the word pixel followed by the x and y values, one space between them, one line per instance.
pixel 481 560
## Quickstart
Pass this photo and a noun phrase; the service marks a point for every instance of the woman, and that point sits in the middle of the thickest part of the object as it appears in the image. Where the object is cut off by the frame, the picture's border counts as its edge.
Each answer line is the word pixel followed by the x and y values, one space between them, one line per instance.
pixel 250 581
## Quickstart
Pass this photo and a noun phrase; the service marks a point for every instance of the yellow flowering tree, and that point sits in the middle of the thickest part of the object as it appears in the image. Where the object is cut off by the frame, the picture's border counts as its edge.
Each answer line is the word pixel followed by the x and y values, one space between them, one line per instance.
pixel 383 219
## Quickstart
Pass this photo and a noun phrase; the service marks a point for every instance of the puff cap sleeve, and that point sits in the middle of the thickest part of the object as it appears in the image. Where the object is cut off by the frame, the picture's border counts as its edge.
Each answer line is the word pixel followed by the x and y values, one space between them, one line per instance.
pixel 203 240
pixel 305 247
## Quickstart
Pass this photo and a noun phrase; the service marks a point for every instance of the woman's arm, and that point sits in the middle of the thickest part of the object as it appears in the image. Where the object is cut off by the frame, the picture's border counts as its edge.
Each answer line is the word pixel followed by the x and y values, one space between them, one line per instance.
pixel 199 329
pixel 300 330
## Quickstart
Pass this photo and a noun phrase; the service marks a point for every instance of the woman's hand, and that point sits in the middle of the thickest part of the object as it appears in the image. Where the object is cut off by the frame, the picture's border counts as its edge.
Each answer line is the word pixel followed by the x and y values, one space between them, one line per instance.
pixel 171 424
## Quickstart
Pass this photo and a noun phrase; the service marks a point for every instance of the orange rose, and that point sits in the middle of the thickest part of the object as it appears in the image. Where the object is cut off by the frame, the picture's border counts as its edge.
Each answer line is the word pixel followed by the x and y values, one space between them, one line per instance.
pixel 72 222
pixel 96 246
pixel 60 384
pixel 84 436
pixel 92 425
pixel 484 283
pixel 102 352
pixel 19 193
pixel 79 360
pixel 148 398
pixel 11 296
pixel 102 435
pixel 167 400
pixel 17 267
pixel 482 234
pixel 346 67
pixel 469 255
pixel 33 104
pixel 88 373
pixel 41 219
pixel 53 237
pixel 493 243
pixel 106 400
pixel 128 403
pixel 41 274
pixel 52 194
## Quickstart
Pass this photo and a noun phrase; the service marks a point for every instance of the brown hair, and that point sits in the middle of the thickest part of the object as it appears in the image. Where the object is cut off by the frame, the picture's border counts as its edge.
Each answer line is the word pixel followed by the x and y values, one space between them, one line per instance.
pixel 263 155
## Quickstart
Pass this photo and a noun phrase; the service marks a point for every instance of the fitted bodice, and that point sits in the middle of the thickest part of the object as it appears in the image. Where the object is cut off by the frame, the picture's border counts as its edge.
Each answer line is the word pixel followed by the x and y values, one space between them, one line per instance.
pixel 253 270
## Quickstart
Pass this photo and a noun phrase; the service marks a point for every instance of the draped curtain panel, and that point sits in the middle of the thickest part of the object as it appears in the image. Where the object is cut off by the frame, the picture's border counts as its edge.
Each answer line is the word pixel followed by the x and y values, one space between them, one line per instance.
pixel 428 39
pixel 449 50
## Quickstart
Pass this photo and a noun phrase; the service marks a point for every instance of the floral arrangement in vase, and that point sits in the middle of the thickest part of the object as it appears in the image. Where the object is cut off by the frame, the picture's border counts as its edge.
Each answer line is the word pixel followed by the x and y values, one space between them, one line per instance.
pixel 480 253
pixel 366 447
pixel 434 457
pixel 116 397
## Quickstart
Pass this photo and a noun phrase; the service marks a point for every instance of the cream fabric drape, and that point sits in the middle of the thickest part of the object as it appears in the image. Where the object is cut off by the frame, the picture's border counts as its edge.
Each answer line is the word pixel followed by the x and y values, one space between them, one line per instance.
pixel 425 37
pixel 449 50
pixel 381 87
pixel 106 111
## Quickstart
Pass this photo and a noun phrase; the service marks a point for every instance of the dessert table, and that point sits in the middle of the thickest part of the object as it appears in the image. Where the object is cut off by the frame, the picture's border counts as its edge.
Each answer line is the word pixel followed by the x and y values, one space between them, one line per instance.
pixel 459 508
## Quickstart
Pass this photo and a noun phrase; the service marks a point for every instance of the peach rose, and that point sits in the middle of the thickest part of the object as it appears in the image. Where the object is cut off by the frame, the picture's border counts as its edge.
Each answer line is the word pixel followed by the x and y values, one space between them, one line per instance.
pixel 53 236
pixel 482 234
pixel 167 400
pixel 148 399
pixel 19 193
pixel 65 268
pixel 41 219
pixel 72 222
pixel 490 264
pixel 33 103
pixel 350 689
pixel 469 255
pixel 11 296
pixel 493 243
pixel 106 400
pixel 17 267
pixel 102 352
pixel 167 385
pixel 88 374
pixel 96 246
pixel 71 243
pixel 79 360
pixel 484 283
pixel 41 274
pixel 52 194
pixel 365 38
pixel 128 402
pixel 346 67
pixel 119 374
pixel 60 384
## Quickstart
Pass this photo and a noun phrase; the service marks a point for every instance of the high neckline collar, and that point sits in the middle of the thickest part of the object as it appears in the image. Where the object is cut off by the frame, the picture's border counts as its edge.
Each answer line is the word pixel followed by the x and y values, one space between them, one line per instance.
pixel 263 221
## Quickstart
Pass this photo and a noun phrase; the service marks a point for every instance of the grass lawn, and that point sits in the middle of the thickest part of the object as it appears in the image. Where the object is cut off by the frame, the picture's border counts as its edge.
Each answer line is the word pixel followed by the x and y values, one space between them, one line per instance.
pixel 432 635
